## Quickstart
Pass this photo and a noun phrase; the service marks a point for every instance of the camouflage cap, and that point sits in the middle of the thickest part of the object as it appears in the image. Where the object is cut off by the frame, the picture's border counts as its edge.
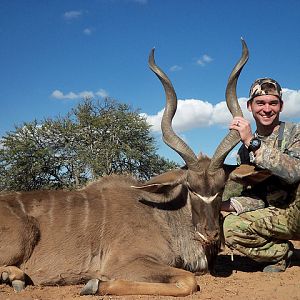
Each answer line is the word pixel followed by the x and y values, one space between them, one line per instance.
pixel 265 86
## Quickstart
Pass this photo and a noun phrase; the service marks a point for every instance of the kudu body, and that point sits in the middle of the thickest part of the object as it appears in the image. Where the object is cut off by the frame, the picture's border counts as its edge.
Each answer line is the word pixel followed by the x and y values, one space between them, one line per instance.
pixel 123 236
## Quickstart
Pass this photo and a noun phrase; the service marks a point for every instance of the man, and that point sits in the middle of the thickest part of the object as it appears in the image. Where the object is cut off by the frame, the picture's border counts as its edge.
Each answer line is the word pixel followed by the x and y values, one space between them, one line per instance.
pixel 267 214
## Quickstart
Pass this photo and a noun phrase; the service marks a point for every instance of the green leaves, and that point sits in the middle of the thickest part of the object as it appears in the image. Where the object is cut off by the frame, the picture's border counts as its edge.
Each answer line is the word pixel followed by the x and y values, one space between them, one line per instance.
pixel 94 139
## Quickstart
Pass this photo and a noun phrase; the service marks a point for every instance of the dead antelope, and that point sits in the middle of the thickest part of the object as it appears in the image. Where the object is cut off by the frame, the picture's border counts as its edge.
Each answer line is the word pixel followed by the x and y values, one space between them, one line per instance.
pixel 118 235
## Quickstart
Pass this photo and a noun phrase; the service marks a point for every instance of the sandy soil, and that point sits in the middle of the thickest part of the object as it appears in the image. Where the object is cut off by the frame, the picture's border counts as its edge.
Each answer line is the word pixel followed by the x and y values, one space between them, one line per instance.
pixel 237 279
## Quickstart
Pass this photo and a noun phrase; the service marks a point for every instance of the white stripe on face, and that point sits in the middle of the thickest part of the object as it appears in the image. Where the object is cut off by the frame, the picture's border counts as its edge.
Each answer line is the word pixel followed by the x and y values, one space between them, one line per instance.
pixel 209 199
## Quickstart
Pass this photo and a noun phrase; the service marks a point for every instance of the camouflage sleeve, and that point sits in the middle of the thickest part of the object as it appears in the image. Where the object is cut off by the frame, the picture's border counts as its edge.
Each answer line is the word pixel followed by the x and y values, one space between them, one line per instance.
pixel 285 165
pixel 243 204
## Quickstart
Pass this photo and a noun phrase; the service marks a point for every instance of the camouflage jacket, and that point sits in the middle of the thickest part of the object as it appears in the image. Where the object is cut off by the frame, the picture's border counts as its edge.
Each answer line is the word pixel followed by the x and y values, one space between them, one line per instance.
pixel 282 161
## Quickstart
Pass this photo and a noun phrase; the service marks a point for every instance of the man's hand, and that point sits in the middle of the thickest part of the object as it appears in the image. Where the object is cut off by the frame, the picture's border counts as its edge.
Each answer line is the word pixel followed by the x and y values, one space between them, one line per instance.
pixel 244 128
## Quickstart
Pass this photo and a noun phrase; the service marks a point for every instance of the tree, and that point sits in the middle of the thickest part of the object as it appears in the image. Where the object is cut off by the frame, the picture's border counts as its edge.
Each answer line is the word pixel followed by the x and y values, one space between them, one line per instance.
pixel 94 139
pixel 39 156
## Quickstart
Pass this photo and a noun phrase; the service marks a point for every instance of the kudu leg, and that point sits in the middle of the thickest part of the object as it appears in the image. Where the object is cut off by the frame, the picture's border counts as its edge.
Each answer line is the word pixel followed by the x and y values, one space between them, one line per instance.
pixel 13 276
pixel 19 234
pixel 156 280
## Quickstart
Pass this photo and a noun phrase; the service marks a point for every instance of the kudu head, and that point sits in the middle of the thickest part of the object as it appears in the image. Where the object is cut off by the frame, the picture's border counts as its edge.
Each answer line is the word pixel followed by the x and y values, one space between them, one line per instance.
pixel 205 177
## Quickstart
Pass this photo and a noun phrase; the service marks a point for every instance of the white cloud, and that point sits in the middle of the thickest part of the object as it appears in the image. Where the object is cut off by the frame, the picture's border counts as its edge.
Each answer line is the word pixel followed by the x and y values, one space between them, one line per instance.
pixel 291 103
pixel 88 31
pixel 204 60
pixel 85 94
pixel 72 14
pixel 192 113
pixel 222 116
pixel 102 93
pixel 175 68
pixel 57 94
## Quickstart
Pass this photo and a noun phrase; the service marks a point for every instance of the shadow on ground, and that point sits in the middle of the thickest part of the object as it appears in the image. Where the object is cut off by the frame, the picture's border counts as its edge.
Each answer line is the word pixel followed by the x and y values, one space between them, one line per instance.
pixel 227 264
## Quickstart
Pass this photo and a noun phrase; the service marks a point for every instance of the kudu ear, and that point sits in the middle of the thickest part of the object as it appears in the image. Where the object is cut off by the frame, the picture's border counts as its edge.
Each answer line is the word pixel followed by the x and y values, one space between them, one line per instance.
pixel 163 182
pixel 249 174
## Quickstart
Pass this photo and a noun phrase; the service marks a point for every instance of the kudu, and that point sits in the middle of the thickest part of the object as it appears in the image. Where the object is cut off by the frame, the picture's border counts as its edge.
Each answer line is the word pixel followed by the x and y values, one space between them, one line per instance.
pixel 118 235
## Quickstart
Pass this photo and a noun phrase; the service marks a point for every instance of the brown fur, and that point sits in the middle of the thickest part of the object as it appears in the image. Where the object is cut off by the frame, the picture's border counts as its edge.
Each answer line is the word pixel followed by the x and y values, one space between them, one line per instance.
pixel 114 228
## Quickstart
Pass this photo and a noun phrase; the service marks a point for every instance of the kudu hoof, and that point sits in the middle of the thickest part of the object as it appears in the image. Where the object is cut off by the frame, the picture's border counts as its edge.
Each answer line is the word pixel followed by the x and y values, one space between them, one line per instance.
pixel 91 288
pixel 18 285
pixel 4 277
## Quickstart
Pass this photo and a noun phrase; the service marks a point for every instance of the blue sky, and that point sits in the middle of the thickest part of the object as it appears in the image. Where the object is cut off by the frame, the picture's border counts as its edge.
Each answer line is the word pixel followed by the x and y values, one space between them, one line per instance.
pixel 54 53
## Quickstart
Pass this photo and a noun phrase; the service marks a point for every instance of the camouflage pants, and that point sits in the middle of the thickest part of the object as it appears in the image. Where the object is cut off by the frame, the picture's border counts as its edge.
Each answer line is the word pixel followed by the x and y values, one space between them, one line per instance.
pixel 263 234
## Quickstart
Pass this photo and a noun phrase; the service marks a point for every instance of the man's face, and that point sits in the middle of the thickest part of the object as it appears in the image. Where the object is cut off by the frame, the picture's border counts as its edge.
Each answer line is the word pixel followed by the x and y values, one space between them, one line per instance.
pixel 265 109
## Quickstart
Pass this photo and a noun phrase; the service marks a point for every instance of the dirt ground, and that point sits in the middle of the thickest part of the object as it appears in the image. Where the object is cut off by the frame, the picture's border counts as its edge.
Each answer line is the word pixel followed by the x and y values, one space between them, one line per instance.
pixel 237 279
